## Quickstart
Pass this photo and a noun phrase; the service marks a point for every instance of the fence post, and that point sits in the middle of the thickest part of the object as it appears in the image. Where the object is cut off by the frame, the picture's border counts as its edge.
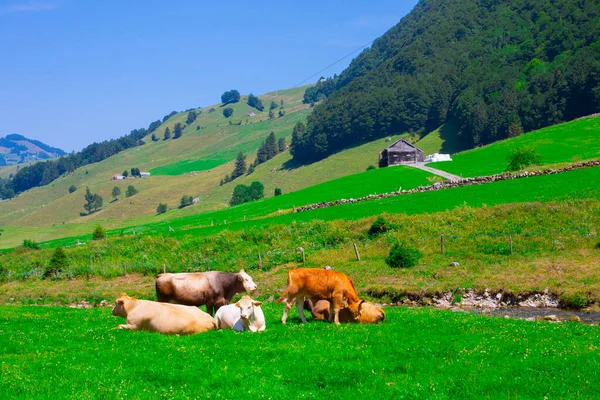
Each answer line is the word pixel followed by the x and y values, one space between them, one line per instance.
pixel 510 241
pixel 9 275
pixel 303 257
pixel 260 261
pixel 164 268
pixel 442 243
pixel 124 269
pixel 356 252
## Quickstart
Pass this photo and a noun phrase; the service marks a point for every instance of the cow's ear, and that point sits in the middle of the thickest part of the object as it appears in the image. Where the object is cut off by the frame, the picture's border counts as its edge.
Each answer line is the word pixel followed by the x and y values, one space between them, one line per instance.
pixel 257 303
pixel 237 304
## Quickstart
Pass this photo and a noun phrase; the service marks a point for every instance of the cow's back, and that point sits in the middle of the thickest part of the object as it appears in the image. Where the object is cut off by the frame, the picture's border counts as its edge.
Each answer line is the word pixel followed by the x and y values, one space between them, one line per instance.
pixel 192 288
pixel 318 283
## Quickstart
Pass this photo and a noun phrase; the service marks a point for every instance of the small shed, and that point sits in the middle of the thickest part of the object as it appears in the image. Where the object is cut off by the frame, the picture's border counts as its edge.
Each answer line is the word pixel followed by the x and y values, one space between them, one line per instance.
pixel 436 157
pixel 117 177
pixel 144 174
pixel 400 152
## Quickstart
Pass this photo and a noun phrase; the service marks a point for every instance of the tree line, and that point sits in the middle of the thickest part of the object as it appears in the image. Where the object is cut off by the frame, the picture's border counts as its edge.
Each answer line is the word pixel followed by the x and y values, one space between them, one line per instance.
pixel 494 69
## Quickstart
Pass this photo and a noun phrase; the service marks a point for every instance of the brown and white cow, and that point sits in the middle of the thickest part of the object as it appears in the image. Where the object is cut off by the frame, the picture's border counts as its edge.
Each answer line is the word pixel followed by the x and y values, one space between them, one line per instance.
pixel 151 316
pixel 316 284
pixel 214 288
pixel 368 313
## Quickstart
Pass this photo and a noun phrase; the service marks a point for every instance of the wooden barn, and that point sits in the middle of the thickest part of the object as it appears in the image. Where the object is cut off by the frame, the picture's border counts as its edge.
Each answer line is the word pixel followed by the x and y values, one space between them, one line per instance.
pixel 400 152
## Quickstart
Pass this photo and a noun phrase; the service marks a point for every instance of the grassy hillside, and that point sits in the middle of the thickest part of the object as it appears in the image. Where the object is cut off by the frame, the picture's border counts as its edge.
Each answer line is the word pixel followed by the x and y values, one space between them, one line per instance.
pixel 444 140
pixel 571 141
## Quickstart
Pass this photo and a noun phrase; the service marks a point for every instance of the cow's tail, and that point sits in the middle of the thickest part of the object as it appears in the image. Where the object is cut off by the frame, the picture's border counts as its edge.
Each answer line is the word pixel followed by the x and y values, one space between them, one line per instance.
pixel 285 293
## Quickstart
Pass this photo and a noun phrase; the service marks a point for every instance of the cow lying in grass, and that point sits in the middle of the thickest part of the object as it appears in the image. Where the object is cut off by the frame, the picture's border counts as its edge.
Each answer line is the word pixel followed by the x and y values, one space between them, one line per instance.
pixel 368 313
pixel 214 288
pixel 144 315
pixel 316 284
pixel 245 315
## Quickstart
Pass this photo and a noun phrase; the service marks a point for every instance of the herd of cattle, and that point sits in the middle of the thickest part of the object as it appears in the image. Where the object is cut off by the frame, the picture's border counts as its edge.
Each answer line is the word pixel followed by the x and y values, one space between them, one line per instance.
pixel 326 294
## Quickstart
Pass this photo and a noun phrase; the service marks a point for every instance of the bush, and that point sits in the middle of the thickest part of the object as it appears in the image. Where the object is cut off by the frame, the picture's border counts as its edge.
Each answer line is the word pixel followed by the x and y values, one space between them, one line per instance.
pixel 227 112
pixel 211 110
pixel 58 261
pixel 186 200
pixel 574 301
pixel 31 244
pixel 371 167
pixel 403 256
pixel 243 194
pixel 522 157
pixel 72 188
pixel 99 233
pixel 379 226
pixel 131 190
pixel 277 192
pixel 161 209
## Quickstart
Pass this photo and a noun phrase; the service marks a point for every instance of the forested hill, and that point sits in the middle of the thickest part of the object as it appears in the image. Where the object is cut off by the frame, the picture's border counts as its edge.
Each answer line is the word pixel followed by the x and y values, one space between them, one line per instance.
pixel 493 68
pixel 16 149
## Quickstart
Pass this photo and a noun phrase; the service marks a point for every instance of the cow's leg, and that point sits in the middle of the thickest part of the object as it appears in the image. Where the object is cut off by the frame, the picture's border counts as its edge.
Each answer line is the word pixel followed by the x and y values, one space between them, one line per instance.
pixel 286 310
pixel 210 309
pixel 337 304
pixel 128 327
pixel 220 303
pixel 300 307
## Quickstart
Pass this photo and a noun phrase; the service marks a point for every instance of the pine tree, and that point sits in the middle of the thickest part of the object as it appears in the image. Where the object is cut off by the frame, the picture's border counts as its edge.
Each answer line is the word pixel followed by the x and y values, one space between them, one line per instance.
pixel 240 166
pixel 154 138
pixel 250 169
pixel 281 145
pixel 271 146
pixel 167 134
pixel 177 130
pixel 261 154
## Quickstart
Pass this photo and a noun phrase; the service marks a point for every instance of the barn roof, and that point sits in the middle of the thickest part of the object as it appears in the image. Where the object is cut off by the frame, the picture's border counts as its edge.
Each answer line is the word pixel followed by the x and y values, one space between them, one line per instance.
pixel 402 145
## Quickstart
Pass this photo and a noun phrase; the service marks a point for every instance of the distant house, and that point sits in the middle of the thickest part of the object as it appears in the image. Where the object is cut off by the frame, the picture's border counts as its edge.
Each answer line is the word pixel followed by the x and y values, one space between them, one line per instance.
pixel 400 152
pixel 117 177
pixel 251 114
pixel 438 157
pixel 144 174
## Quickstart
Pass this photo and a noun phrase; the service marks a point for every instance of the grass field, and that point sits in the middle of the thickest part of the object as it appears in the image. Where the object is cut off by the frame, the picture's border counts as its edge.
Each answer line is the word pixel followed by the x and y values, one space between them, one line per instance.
pixel 184 166
pixel 50 352
pixel 571 141
pixel 443 140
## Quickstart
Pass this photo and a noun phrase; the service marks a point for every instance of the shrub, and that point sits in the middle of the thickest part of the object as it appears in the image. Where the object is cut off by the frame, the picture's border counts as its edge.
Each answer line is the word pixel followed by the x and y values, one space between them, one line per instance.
pixel 186 200
pixel 227 112
pixel 161 209
pixel 131 190
pixel 380 225
pixel 31 244
pixel 58 261
pixel 99 233
pixel 211 110
pixel 371 167
pixel 403 256
pixel 72 188
pixel 277 192
pixel 575 301
pixel 522 157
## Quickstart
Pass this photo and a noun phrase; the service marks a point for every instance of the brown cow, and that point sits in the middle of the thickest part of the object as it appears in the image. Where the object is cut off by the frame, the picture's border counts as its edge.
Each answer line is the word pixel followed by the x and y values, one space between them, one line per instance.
pixel 368 313
pixel 144 315
pixel 316 284
pixel 214 288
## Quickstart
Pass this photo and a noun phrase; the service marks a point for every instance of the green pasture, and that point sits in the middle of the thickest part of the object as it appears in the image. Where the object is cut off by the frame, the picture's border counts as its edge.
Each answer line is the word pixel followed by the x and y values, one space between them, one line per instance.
pixel 572 141
pixel 52 352
pixel 185 166
pixel 442 140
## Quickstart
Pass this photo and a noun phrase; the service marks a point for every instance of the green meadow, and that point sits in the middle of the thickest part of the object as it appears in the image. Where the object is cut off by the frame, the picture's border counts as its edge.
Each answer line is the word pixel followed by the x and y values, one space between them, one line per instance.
pixel 572 141
pixel 53 352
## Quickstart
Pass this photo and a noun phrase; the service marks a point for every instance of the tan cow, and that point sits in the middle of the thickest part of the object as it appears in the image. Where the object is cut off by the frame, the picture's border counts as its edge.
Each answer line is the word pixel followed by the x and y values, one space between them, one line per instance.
pixel 151 316
pixel 316 284
pixel 368 313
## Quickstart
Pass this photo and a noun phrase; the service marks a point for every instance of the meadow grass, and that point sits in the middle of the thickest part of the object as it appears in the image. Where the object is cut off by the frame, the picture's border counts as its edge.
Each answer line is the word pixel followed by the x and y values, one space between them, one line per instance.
pixel 445 139
pixel 181 167
pixel 52 352
pixel 571 141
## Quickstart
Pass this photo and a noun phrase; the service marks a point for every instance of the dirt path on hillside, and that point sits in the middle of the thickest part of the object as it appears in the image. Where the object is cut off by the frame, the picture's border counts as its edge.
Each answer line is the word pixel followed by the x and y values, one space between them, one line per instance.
pixel 434 171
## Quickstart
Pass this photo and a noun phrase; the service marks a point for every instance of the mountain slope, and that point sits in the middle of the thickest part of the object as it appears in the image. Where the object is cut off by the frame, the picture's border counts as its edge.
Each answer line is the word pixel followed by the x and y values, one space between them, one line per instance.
pixel 493 68
pixel 17 149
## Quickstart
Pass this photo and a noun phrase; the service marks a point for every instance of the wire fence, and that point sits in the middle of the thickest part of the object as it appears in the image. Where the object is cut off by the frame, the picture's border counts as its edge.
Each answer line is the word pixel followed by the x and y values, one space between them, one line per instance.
pixel 448 247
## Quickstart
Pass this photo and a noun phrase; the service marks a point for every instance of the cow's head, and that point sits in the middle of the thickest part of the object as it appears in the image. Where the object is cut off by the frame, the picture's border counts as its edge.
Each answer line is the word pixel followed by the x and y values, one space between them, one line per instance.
pixel 369 313
pixel 247 281
pixel 246 306
pixel 119 309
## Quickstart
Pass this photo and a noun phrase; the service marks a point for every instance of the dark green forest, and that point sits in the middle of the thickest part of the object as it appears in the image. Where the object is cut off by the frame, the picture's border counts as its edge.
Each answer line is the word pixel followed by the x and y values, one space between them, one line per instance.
pixel 493 68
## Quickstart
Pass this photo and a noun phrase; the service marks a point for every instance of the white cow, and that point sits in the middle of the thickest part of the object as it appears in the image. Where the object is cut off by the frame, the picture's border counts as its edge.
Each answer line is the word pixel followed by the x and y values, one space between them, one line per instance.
pixel 245 315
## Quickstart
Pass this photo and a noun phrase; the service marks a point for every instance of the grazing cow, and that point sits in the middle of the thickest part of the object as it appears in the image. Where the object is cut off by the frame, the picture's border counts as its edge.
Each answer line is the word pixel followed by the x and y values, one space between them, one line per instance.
pixel 215 289
pixel 245 315
pixel 151 316
pixel 368 313
pixel 316 284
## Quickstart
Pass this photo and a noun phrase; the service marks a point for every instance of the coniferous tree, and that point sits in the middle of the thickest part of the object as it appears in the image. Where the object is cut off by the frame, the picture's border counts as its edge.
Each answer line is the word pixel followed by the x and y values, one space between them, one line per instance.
pixel 240 166
pixel 177 130
pixel 271 146
pixel 167 135
pixel 281 145
pixel 154 138
pixel 191 117
pixel 125 174
pixel 297 133
pixel 99 233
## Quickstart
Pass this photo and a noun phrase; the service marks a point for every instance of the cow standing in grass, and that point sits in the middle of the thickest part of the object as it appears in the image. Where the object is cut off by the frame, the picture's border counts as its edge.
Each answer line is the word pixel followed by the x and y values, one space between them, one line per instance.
pixel 317 284
pixel 151 316
pixel 214 288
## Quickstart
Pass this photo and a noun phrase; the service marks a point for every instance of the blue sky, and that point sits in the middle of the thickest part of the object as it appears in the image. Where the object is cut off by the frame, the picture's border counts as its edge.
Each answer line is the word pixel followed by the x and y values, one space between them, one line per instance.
pixel 73 72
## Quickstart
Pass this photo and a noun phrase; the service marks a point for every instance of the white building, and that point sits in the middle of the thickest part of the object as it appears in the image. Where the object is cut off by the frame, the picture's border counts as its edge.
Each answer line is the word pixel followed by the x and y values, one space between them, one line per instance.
pixel 144 174
pixel 117 177
pixel 438 157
